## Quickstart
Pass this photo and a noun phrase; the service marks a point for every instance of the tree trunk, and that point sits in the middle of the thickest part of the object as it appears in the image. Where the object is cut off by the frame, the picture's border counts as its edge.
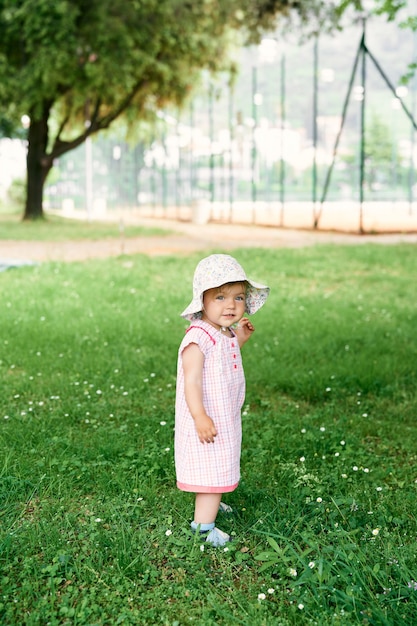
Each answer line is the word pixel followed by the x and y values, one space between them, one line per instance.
pixel 38 165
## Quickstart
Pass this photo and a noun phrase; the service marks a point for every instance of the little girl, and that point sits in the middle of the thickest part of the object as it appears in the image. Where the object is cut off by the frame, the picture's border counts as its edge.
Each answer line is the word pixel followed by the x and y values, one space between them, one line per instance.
pixel 211 387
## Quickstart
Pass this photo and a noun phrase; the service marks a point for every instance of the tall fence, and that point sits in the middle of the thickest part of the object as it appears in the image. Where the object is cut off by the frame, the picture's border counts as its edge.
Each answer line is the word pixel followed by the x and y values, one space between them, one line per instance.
pixel 326 121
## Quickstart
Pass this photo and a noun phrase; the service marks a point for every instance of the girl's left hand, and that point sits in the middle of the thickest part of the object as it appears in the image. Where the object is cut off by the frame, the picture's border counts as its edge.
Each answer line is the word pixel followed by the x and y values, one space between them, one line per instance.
pixel 244 330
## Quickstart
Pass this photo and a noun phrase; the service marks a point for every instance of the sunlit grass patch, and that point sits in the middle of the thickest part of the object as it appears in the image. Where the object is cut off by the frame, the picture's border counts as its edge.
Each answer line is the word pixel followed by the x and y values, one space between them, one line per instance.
pixel 55 228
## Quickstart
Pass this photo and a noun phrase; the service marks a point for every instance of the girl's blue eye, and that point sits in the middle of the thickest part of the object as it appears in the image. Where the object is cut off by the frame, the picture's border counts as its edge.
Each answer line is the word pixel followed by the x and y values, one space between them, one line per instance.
pixel 240 298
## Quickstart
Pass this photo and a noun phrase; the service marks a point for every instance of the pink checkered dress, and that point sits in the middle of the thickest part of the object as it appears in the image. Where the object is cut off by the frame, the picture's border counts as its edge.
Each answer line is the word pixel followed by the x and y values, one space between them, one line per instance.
pixel 214 467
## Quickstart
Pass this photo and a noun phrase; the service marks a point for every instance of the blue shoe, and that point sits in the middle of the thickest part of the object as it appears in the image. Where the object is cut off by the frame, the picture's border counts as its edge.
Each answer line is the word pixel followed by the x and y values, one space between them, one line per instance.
pixel 217 537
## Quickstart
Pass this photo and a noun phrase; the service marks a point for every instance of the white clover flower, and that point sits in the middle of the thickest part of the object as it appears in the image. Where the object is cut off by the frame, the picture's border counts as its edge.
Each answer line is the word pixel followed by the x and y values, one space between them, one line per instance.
pixel 366 470
pixel 379 488
pixel 337 453
pixel 342 443
pixel 344 475
pixel 301 606
pixel 355 468
pixel 202 548
pixel 99 392
pixel 153 375
pixel 226 549
pixel 98 520
pixel 375 532
pixel 292 571
pixel 311 564
pixel 302 459
pixel 261 596
pixel 322 429
pixel 319 499
pixel 271 590
pixel 168 532
pixel 162 423
pixel 328 388
pixel 364 414
pixel 303 430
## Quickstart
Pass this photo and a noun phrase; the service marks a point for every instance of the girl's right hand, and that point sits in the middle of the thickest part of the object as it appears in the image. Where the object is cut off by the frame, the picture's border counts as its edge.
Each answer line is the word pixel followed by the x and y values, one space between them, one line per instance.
pixel 205 428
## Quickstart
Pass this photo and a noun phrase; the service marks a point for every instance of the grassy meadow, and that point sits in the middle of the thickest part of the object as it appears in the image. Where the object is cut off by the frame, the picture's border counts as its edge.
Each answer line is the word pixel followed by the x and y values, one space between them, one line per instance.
pixel 92 528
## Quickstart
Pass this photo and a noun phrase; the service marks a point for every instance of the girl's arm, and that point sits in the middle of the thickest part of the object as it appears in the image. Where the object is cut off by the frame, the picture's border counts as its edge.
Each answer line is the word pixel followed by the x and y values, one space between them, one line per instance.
pixel 244 331
pixel 192 363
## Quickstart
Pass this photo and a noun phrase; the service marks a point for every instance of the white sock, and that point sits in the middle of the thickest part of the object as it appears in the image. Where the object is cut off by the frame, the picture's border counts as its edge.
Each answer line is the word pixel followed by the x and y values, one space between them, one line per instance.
pixel 203 527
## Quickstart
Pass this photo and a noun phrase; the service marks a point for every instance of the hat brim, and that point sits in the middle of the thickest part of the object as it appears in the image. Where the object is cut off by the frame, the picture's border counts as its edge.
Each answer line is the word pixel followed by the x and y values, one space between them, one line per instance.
pixel 256 296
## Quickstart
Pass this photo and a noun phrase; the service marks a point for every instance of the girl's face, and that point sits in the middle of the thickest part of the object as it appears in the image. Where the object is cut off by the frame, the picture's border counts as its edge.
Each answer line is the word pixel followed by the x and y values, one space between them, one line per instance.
pixel 225 305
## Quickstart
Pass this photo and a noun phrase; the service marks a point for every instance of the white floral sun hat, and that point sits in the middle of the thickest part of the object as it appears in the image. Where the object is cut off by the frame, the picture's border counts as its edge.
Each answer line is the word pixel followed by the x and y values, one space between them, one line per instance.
pixel 219 269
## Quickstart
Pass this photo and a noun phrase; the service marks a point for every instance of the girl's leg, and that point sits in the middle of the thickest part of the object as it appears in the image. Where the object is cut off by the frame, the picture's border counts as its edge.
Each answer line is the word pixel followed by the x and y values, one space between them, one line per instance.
pixel 206 507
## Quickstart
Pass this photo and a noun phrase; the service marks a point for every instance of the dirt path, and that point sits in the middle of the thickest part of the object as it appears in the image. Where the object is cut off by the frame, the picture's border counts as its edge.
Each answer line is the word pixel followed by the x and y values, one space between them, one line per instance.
pixel 184 238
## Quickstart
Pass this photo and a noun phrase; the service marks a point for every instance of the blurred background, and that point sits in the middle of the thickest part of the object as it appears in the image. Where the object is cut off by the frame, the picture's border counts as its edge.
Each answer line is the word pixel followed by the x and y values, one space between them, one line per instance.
pixel 291 128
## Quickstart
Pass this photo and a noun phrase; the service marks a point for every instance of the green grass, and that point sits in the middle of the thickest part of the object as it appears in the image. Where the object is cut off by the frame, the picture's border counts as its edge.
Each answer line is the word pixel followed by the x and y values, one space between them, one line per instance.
pixel 55 228
pixel 93 529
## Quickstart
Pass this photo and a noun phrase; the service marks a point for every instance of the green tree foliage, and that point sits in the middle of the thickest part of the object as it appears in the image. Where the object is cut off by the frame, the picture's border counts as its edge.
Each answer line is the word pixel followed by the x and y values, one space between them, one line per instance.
pixel 379 152
pixel 75 66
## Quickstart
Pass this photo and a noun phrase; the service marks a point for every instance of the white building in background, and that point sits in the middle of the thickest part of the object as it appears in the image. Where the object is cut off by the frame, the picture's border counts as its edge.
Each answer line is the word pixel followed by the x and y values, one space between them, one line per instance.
pixel 12 163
